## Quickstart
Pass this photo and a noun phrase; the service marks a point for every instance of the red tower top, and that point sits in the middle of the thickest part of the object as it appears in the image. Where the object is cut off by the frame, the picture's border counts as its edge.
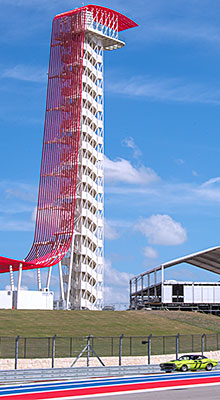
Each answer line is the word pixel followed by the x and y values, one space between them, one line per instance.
pixel 102 15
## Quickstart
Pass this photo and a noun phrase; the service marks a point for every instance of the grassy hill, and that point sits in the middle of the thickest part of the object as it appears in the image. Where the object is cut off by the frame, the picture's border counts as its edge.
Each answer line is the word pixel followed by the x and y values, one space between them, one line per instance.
pixel 105 323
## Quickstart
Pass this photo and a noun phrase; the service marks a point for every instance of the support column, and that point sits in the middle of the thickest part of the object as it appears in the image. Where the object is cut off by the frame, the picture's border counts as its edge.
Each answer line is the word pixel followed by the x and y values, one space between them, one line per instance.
pixel 19 277
pixel 135 293
pixel 162 284
pixel 70 276
pixel 130 293
pixel 142 287
pixel 155 284
pixel 61 281
pixel 193 294
pixel 38 279
pixel 11 278
pixel 48 278
pixel 148 286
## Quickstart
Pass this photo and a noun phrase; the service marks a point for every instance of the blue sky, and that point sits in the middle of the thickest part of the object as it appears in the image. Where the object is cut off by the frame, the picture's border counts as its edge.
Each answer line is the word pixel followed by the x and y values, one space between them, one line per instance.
pixel 162 142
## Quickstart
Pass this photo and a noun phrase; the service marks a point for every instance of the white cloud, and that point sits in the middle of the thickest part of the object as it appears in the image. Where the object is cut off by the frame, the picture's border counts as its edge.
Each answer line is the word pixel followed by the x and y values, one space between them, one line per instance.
pixel 110 231
pixel 193 31
pixel 129 142
pixel 25 73
pixel 116 285
pixel 34 214
pixel 116 296
pixel 162 89
pixel 8 287
pixel 16 206
pixel 19 190
pixel 120 223
pixel 211 181
pixel 114 277
pixel 15 225
pixel 149 252
pixel 162 229
pixel 179 161
pixel 209 190
pixel 169 192
pixel 121 170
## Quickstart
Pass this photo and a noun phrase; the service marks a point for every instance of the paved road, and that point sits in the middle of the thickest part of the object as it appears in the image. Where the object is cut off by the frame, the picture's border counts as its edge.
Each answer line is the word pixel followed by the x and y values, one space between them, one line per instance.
pixel 199 393
pixel 133 387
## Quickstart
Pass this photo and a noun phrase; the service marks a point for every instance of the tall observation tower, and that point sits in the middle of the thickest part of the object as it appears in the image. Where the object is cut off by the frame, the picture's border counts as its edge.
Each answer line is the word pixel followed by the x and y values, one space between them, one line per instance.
pixel 69 221
pixel 82 269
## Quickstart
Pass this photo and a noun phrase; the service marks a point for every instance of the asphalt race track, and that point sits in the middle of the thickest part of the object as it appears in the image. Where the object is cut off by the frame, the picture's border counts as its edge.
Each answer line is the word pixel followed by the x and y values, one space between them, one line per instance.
pixel 135 387
pixel 199 393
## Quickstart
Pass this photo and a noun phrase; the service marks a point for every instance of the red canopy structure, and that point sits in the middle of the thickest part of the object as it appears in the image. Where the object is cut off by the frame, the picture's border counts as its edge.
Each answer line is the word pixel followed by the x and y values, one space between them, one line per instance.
pixel 104 16
pixel 58 176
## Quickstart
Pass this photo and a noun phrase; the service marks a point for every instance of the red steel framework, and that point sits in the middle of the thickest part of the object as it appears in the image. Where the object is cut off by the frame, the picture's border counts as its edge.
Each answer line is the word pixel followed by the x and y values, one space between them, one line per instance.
pixel 58 177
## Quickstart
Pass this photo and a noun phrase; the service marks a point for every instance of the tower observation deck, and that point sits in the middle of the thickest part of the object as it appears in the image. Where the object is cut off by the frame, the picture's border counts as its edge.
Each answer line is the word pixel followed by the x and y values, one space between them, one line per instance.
pixel 69 223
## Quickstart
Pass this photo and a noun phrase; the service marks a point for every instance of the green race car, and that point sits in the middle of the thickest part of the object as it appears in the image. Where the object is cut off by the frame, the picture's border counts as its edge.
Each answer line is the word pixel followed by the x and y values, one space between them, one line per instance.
pixel 190 362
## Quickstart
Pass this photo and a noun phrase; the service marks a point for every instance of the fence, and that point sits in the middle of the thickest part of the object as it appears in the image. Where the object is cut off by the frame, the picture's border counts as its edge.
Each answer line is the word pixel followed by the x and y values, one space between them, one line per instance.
pixel 64 347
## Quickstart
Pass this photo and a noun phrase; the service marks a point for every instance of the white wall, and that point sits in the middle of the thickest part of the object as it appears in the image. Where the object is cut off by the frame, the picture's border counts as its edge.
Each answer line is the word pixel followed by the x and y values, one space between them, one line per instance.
pixel 167 293
pixel 207 294
pixel 217 294
pixel 6 299
pixel 197 294
pixel 34 300
pixel 188 294
pixel 201 294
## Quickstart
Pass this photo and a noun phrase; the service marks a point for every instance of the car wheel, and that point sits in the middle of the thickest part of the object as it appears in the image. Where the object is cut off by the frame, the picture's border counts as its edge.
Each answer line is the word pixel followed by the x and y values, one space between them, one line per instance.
pixel 209 367
pixel 184 368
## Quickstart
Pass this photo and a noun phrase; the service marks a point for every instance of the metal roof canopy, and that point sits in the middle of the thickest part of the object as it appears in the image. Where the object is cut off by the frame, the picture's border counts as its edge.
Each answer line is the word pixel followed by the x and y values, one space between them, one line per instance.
pixel 207 259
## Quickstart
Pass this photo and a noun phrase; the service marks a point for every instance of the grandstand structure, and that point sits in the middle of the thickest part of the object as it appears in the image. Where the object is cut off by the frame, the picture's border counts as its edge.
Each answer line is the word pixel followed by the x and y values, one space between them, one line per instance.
pixel 150 289
pixel 70 212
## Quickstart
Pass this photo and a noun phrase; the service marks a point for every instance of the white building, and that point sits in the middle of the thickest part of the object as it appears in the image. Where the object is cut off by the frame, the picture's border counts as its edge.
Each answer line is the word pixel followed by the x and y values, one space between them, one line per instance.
pixel 26 299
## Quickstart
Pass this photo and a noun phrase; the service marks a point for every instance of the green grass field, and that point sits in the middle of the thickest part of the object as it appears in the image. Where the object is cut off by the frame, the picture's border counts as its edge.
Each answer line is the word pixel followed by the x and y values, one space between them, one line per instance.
pixel 36 328
pixel 105 323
